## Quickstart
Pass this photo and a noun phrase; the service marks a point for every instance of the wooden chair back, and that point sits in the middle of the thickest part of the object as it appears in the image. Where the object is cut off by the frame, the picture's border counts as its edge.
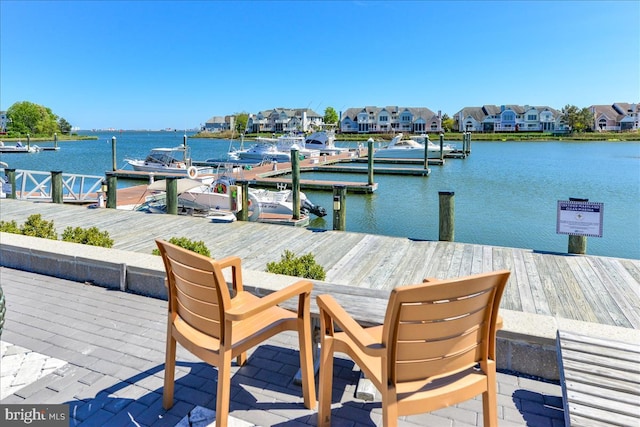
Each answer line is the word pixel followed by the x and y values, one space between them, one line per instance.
pixel 443 327
pixel 198 292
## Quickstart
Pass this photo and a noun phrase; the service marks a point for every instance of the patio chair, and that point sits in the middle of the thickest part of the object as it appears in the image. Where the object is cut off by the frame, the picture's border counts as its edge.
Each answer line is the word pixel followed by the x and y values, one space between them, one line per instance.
pixel 435 348
pixel 217 324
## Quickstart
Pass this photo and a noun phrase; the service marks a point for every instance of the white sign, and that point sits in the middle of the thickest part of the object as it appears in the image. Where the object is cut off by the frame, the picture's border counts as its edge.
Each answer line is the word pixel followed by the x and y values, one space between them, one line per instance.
pixel 580 218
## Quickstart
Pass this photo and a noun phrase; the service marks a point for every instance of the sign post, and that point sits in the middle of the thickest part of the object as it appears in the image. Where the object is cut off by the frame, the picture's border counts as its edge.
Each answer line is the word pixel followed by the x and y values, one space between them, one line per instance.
pixel 580 219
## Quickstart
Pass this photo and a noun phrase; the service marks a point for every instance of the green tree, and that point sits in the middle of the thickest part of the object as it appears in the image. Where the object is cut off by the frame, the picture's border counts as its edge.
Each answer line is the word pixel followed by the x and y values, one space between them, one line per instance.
pixel 65 126
pixel 447 123
pixel 27 117
pixel 330 116
pixel 241 122
pixel 579 120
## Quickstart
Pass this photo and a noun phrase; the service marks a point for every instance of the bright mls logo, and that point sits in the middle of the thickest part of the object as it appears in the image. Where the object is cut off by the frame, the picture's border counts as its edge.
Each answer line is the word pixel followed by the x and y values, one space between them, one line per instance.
pixel 34 415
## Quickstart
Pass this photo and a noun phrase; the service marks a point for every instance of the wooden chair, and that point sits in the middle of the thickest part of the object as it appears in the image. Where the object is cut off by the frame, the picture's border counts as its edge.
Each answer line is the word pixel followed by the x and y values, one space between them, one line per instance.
pixel 435 348
pixel 217 325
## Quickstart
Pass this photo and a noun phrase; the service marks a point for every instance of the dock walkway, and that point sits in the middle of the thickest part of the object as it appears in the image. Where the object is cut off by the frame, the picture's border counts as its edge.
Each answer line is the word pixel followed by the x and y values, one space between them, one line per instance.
pixel 594 289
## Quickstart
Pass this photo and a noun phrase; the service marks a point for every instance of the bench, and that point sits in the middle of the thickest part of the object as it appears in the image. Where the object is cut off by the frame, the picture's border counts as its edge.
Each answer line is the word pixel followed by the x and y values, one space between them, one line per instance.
pixel 600 380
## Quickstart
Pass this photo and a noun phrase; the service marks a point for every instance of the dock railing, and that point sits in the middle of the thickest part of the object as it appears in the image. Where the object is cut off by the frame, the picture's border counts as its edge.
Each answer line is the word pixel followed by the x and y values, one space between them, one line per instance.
pixel 38 185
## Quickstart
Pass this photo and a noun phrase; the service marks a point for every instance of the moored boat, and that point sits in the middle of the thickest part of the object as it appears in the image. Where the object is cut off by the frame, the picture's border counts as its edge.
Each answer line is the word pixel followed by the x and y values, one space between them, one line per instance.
pixel 324 142
pixel 166 160
pixel 411 148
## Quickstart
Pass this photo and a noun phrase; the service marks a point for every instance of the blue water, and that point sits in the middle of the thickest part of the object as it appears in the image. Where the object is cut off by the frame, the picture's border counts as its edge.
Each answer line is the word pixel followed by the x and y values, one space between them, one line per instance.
pixel 506 193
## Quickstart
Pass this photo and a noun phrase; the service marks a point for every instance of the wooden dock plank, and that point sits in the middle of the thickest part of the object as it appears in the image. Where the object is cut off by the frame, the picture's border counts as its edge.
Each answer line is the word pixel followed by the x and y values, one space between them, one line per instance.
pixel 562 286
pixel 600 380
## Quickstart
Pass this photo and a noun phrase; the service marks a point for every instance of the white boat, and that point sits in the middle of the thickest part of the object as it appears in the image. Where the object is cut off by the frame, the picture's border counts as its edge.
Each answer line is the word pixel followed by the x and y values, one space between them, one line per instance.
pixel 400 148
pixel 18 148
pixel 166 160
pixel 264 149
pixel 224 194
pixel 324 142
pixel 289 142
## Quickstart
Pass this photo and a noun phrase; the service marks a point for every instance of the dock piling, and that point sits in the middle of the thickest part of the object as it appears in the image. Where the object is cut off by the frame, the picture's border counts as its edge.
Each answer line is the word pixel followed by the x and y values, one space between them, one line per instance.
pixel 243 214
pixel 112 189
pixel 441 147
pixel 11 178
pixel 577 244
pixel 28 142
pixel 339 207
pixel 370 161
pixel 447 216
pixel 295 182
pixel 56 186
pixel 172 195
pixel 113 153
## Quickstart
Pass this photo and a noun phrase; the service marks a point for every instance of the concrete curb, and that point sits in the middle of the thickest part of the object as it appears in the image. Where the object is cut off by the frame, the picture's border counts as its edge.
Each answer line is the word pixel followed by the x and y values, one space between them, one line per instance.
pixel 526 344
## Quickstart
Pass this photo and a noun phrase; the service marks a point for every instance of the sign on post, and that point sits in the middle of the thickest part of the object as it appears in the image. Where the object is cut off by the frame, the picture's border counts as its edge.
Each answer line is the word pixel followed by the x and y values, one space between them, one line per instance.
pixel 580 218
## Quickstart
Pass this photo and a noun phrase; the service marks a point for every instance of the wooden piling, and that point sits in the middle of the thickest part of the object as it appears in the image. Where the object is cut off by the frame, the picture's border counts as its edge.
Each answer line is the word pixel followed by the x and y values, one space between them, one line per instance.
pixel 112 189
pixel 370 161
pixel 441 147
pixel 28 142
pixel 172 195
pixel 11 177
pixel 243 213
pixel 340 207
pixel 447 216
pixel 577 244
pixel 295 183
pixel 113 153
pixel 56 186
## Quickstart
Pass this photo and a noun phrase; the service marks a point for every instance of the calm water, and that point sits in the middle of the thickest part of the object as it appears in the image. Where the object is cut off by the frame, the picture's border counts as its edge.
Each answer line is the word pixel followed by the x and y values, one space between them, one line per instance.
pixel 506 193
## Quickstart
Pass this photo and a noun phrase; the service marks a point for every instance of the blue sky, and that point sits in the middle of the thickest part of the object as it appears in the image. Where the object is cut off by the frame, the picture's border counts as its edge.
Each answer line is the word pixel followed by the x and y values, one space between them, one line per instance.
pixel 174 64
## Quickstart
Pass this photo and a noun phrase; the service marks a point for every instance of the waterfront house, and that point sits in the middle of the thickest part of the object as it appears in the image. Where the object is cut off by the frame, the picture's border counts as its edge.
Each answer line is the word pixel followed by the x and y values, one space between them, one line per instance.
pixel 620 117
pixel 508 118
pixel 284 120
pixel 390 119
pixel 219 123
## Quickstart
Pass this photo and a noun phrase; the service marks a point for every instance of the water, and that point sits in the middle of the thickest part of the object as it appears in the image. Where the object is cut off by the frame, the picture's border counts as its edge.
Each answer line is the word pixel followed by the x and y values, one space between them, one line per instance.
pixel 506 193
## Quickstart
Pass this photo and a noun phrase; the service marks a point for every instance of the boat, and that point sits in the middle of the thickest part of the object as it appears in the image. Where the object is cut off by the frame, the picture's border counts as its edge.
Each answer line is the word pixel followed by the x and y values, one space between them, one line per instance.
pixel 264 149
pixel 224 193
pixel 289 142
pixel 216 208
pixel 411 148
pixel 324 142
pixel 18 148
pixel 166 160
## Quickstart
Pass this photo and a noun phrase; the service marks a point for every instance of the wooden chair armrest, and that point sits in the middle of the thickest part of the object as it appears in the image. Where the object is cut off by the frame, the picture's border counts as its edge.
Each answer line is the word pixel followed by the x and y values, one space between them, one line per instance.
pixel 236 264
pixel 357 333
pixel 247 309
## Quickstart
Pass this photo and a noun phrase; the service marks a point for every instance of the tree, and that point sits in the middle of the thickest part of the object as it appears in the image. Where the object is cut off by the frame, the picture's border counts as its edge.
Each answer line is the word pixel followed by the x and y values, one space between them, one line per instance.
pixel 330 116
pixel 241 122
pixel 447 123
pixel 579 120
pixel 27 117
pixel 65 126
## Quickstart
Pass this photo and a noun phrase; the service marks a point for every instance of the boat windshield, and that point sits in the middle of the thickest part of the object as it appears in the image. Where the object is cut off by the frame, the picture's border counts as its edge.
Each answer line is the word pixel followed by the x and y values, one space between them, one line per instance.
pixel 163 157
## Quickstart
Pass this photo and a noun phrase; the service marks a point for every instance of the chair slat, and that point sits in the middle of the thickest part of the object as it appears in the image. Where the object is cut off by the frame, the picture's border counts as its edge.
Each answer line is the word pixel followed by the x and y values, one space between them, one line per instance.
pixel 439 330
pixel 443 310
pixel 425 350
pixel 414 371
pixel 203 324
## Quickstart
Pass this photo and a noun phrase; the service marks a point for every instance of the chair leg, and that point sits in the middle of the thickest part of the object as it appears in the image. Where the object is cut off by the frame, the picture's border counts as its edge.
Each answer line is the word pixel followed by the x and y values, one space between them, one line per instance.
pixel 389 407
pixel 489 398
pixel 242 358
pixel 306 363
pixel 224 389
pixel 169 373
pixel 326 382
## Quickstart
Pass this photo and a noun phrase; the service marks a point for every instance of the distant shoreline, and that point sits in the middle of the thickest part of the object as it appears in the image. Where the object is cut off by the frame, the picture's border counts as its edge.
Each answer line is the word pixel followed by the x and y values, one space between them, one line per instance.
pixel 449 136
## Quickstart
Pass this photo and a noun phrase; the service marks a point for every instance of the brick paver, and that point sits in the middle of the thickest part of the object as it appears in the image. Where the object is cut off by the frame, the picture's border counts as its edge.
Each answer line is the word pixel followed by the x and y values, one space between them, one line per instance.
pixel 102 352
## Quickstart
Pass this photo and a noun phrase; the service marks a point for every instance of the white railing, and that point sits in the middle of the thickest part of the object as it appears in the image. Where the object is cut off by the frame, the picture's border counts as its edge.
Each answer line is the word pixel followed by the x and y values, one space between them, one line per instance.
pixel 75 188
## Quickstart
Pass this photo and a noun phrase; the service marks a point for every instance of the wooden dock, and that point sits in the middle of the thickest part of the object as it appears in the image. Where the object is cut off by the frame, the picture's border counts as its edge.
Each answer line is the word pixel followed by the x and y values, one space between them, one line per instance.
pixel 600 380
pixel 593 289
